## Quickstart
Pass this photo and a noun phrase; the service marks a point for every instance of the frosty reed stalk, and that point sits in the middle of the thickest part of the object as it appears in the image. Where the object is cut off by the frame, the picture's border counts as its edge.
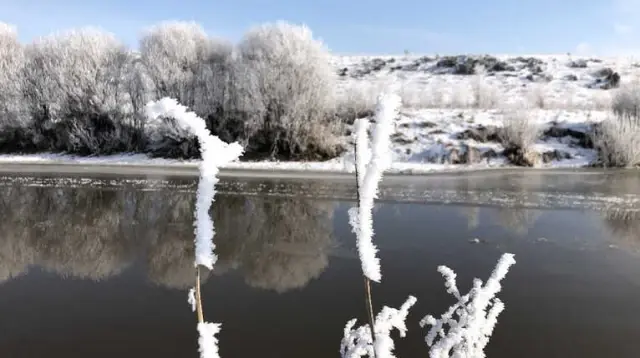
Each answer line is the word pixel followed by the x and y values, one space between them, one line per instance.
pixel 215 153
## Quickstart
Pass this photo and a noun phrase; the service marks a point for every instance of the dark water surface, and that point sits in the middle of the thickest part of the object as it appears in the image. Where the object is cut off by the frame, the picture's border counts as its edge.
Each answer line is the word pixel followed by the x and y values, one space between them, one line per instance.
pixel 101 267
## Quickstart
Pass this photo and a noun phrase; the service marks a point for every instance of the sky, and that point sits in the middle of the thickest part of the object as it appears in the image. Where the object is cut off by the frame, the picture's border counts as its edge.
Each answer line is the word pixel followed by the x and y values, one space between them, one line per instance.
pixel 585 27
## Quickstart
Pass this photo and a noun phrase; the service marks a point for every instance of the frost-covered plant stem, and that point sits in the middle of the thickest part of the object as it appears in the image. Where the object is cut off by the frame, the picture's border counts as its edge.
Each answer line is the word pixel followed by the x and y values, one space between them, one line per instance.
pixel 477 314
pixel 214 154
pixel 359 342
pixel 198 298
pixel 367 282
pixel 371 160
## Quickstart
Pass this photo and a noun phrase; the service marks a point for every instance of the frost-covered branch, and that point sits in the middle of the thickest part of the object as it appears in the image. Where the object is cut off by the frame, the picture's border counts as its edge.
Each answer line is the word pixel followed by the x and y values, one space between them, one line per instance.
pixel 371 161
pixel 358 342
pixel 207 342
pixel 477 314
pixel 214 153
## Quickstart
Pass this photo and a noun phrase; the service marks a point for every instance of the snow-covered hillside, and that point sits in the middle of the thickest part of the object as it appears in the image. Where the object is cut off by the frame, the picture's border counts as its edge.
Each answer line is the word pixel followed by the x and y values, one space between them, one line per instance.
pixel 456 107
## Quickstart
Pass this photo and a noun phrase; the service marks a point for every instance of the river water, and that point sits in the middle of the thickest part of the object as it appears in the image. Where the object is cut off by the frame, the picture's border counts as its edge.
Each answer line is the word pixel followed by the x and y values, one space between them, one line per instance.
pixel 99 266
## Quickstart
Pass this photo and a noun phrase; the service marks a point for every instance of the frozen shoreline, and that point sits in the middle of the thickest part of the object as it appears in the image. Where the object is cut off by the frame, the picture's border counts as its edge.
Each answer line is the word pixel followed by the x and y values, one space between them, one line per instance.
pixel 130 164
pixel 141 165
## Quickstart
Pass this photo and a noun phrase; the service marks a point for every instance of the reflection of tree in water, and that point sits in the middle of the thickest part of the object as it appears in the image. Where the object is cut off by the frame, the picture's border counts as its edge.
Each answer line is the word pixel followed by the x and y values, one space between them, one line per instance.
pixel 168 231
pixel 278 243
pixel 472 213
pixel 624 227
pixel 517 219
pixel 61 231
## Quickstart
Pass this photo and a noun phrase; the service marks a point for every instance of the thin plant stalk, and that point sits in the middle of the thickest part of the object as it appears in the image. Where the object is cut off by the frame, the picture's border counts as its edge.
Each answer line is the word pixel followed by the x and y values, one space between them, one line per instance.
pixel 199 312
pixel 367 282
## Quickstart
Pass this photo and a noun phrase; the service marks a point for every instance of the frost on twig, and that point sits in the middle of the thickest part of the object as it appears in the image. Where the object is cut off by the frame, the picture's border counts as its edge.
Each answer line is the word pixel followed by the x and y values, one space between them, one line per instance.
pixel 470 331
pixel 357 342
pixel 207 341
pixel 215 153
pixel 372 159
pixel 192 299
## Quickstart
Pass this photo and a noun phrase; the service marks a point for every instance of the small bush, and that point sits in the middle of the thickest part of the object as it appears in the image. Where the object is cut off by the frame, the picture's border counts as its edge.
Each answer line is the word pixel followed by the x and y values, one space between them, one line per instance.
pixel 357 100
pixel 537 96
pixel 286 83
pixel 520 130
pixel 617 138
pixel 626 101
pixel 484 95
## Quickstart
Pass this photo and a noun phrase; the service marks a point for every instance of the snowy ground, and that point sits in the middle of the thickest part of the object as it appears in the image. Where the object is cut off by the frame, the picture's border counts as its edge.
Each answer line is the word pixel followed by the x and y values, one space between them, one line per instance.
pixel 450 116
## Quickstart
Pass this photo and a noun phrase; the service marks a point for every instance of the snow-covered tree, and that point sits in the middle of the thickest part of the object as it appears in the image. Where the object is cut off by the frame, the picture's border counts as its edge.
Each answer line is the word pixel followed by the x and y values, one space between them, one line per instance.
pixel 78 77
pixel 11 63
pixel 12 124
pixel 286 85
pixel 184 63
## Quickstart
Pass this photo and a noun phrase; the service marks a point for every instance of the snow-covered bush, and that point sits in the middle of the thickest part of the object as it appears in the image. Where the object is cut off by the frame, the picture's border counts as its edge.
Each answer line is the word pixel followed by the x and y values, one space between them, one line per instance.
pixel 538 96
pixel 626 100
pixel 184 63
pixel 76 95
pixel 617 140
pixel 286 83
pixel 485 94
pixel 12 128
pixel 357 100
pixel 471 320
pixel 520 130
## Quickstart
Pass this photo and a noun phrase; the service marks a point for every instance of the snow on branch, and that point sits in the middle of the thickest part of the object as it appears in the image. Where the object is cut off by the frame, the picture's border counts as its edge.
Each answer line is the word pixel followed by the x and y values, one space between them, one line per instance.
pixel 372 159
pixel 470 331
pixel 358 342
pixel 207 342
pixel 215 153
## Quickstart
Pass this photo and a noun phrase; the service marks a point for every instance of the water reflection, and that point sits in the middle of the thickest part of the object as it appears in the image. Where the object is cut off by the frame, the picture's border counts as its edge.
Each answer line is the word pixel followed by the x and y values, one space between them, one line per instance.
pixel 623 226
pixel 276 243
pixel 517 220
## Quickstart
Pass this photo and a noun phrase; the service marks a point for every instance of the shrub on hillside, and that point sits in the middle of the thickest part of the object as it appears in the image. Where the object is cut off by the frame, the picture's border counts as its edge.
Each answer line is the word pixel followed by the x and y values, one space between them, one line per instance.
pixel 519 133
pixel 286 84
pixel 484 94
pixel 617 138
pixel 520 129
pixel 626 101
pixel 76 94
